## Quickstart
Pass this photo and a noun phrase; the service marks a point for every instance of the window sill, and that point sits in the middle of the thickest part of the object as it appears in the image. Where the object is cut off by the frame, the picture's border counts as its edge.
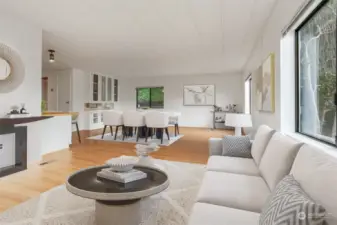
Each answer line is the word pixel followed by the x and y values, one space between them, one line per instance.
pixel 311 141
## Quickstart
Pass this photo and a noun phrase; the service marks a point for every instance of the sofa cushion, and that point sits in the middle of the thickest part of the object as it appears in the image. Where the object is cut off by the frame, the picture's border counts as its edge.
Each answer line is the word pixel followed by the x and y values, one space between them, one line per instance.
pixel 289 204
pixel 208 214
pixel 234 191
pixel 236 146
pixel 278 158
pixel 316 171
pixel 262 137
pixel 233 165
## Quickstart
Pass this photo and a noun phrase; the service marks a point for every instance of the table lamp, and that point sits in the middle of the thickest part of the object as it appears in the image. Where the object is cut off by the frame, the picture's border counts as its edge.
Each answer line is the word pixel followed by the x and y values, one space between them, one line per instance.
pixel 238 121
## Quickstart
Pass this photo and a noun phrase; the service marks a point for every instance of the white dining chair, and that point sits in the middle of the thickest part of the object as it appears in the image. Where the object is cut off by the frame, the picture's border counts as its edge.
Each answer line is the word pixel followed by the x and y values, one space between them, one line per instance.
pixel 133 119
pixel 157 120
pixel 174 121
pixel 112 118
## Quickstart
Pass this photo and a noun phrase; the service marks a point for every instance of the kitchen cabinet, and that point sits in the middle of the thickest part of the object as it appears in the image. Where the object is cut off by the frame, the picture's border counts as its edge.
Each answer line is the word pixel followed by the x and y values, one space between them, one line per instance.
pixel 101 88
pixel 95 120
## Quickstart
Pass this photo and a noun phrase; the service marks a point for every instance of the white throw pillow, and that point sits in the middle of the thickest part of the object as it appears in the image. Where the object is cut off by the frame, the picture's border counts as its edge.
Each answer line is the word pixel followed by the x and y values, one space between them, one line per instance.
pixel 261 140
pixel 278 158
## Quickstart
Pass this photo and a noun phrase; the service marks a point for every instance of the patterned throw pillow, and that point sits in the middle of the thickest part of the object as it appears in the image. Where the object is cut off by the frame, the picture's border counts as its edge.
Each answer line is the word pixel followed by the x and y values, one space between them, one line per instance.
pixel 237 146
pixel 289 204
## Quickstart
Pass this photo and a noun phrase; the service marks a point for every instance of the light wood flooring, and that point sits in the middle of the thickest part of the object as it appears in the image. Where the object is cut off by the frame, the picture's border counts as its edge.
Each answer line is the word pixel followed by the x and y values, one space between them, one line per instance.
pixel 56 167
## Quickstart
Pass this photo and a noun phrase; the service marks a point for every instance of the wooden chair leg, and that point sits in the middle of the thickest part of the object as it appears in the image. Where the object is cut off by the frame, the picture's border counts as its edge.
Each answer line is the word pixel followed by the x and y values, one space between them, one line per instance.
pixel 146 133
pixel 104 131
pixel 175 130
pixel 78 133
pixel 116 132
pixel 112 134
pixel 124 131
pixel 162 135
pixel 167 133
pixel 137 133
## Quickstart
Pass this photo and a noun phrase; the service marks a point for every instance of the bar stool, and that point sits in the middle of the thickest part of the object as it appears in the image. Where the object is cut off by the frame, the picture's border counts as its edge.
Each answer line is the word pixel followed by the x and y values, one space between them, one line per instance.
pixel 112 118
pixel 74 118
pixel 133 119
pixel 157 120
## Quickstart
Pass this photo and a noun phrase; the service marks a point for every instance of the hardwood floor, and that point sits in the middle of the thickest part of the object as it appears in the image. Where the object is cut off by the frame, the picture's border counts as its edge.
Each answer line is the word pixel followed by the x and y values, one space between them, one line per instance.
pixel 56 167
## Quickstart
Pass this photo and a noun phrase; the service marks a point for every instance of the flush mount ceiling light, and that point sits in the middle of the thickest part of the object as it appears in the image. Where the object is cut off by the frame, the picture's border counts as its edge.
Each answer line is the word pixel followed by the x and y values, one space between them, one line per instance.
pixel 51 55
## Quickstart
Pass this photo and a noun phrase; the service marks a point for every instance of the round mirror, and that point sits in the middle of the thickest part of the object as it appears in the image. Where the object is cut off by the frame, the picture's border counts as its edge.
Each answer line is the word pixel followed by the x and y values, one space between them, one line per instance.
pixel 5 69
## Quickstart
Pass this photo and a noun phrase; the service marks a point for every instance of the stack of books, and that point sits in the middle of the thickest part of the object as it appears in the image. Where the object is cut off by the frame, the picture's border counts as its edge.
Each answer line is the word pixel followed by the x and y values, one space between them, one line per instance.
pixel 122 177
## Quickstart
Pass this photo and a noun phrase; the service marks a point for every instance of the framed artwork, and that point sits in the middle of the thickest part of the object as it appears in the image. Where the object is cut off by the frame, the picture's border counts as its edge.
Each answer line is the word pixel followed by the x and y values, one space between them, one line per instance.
pixel 199 95
pixel 265 85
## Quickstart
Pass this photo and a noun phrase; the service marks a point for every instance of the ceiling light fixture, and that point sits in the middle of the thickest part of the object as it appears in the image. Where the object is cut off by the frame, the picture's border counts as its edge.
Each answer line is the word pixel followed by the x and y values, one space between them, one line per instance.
pixel 51 55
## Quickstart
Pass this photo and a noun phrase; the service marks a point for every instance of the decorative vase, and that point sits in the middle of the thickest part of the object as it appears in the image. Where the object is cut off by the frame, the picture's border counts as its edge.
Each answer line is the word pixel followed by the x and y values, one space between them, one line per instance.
pixel 143 152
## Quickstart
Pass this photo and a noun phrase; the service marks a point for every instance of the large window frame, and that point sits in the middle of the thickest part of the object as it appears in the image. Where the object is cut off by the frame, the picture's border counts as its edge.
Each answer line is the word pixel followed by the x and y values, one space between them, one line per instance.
pixel 151 106
pixel 297 77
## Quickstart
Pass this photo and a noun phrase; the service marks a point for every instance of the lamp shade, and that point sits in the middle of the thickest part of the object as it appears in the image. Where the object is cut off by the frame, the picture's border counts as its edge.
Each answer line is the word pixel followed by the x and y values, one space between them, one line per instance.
pixel 238 120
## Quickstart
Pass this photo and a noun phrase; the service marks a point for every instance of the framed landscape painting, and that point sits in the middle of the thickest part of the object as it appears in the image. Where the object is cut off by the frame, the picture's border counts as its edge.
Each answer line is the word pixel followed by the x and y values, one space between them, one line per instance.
pixel 199 95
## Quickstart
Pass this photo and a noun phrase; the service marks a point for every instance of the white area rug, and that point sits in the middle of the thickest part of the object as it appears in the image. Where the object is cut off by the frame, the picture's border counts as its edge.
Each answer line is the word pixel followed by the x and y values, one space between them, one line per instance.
pixel 59 207
pixel 108 137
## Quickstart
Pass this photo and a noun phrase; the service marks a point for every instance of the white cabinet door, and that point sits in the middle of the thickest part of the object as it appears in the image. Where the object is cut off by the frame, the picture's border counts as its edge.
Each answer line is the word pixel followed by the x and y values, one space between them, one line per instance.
pixel 103 86
pixel 7 150
pixel 94 88
pixel 109 89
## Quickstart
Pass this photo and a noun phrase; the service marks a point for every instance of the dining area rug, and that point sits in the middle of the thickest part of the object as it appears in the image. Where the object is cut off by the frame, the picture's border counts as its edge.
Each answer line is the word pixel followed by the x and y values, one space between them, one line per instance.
pixel 133 139
pixel 59 207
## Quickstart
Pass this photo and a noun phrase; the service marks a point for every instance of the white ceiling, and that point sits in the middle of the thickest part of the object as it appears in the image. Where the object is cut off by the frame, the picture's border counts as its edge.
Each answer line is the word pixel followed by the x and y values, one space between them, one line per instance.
pixel 147 37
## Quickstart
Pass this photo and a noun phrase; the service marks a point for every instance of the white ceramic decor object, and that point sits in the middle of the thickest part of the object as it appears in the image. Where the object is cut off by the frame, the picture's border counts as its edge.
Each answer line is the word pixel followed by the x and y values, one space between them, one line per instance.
pixel 5 69
pixel 122 164
pixel 143 152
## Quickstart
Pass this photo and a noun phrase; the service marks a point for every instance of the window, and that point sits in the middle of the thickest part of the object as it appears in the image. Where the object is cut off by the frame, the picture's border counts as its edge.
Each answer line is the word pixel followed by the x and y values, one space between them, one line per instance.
pixel 248 95
pixel 150 97
pixel 316 73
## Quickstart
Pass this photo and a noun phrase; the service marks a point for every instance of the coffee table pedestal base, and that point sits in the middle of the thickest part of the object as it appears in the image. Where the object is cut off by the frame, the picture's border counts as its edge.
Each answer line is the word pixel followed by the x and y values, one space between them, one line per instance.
pixel 108 213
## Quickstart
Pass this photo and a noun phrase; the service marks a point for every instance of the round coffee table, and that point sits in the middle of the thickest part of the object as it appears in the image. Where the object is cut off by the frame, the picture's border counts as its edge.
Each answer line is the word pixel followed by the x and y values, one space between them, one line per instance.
pixel 117 203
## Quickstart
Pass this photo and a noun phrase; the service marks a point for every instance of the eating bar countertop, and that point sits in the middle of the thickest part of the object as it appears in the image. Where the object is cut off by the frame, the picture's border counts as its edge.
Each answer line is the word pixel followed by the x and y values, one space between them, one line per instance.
pixel 12 121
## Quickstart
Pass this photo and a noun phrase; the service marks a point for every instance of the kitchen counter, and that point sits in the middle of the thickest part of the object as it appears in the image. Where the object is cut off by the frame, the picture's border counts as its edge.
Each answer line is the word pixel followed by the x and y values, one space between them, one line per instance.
pixel 12 121
pixel 59 113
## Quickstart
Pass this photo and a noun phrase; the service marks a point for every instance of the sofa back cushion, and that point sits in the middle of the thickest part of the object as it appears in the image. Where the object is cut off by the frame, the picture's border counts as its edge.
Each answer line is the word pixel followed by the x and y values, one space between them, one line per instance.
pixel 316 171
pixel 278 158
pixel 262 137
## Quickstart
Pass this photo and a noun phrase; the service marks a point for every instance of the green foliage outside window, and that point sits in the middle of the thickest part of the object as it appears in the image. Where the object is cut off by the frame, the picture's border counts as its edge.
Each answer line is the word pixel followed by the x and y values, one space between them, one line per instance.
pixel 150 97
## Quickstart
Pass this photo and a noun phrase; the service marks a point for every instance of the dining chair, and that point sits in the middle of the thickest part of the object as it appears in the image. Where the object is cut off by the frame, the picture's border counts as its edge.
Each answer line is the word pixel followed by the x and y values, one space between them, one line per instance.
pixel 174 121
pixel 112 118
pixel 157 120
pixel 133 119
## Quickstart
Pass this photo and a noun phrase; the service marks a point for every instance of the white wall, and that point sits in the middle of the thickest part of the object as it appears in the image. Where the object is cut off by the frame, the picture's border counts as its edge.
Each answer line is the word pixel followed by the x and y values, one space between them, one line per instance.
pixel 27 41
pixel 270 42
pixel 228 91
pixel 80 96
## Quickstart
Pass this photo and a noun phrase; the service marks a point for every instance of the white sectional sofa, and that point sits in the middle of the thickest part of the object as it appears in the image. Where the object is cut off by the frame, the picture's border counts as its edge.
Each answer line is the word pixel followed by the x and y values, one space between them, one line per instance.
pixel 234 190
